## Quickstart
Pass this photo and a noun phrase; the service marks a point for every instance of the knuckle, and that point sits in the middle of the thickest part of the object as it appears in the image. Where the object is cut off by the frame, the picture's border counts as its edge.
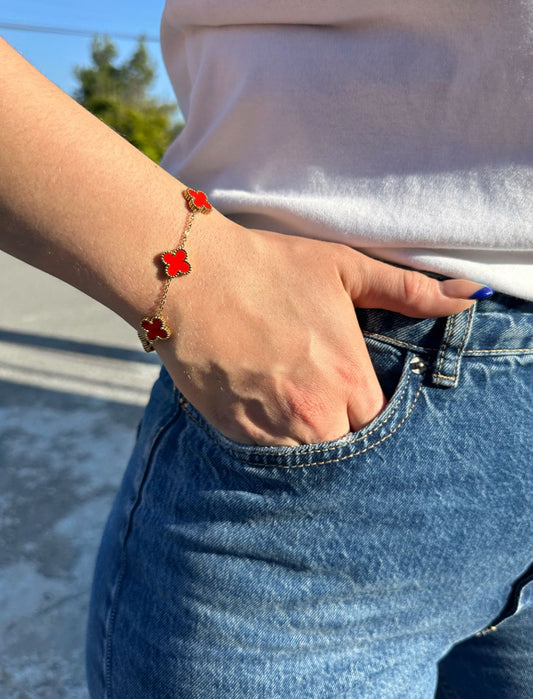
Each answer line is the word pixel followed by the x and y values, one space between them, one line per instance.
pixel 304 406
pixel 351 269
pixel 416 288
pixel 347 372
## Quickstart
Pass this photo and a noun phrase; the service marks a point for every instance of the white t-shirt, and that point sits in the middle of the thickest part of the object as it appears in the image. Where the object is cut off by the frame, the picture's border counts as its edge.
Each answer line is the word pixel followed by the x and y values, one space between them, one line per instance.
pixel 403 129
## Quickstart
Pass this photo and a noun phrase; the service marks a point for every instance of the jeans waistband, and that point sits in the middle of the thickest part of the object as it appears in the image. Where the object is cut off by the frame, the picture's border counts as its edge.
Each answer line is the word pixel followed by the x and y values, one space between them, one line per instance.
pixel 499 325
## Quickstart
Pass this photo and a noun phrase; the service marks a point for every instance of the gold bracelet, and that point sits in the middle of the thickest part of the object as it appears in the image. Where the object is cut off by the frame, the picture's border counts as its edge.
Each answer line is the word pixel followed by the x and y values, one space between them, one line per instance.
pixel 175 264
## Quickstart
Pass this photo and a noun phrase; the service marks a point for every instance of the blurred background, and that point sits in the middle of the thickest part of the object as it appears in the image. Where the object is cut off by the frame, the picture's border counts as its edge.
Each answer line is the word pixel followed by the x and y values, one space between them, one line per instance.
pixel 73 377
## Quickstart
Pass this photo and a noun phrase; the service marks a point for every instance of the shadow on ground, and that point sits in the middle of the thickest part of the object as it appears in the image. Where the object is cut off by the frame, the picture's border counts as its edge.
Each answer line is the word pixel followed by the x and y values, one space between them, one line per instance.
pixel 61 459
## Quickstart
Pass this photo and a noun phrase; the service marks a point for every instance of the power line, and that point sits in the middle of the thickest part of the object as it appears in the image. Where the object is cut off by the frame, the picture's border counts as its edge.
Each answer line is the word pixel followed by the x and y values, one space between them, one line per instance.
pixel 74 32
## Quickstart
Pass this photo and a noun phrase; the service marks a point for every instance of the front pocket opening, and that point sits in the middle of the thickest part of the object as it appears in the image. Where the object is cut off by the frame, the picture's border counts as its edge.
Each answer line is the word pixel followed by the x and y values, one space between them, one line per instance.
pixel 407 390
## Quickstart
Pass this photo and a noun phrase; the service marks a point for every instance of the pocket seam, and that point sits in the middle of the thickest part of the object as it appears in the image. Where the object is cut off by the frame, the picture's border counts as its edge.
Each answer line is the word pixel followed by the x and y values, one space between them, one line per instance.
pixel 256 459
pixel 116 590
pixel 351 455
pixel 397 399
pixel 395 342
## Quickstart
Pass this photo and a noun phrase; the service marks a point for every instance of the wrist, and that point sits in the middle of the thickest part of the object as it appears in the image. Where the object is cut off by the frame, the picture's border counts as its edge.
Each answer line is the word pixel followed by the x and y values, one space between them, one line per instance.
pixel 169 272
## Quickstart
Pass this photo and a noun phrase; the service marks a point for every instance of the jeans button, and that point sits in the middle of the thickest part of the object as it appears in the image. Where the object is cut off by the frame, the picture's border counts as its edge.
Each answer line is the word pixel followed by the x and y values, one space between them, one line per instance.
pixel 417 365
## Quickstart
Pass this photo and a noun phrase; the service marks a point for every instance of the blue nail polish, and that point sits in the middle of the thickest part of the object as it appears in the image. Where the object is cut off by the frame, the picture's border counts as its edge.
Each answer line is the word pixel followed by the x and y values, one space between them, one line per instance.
pixel 484 293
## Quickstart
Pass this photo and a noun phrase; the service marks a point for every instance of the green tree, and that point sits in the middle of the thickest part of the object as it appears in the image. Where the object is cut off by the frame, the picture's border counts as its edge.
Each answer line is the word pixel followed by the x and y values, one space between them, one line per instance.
pixel 118 94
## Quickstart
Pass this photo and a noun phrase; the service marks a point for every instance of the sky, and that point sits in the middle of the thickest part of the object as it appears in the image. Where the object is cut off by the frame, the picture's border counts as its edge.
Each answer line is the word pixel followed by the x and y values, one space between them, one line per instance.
pixel 55 55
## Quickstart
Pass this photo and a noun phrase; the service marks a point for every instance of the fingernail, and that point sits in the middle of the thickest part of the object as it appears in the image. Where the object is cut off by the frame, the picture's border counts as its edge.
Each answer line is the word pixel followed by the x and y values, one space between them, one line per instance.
pixel 484 293
pixel 464 289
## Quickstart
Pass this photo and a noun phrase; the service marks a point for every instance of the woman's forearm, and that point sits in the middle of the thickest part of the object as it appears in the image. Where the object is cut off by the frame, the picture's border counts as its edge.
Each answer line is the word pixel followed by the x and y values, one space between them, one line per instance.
pixel 76 199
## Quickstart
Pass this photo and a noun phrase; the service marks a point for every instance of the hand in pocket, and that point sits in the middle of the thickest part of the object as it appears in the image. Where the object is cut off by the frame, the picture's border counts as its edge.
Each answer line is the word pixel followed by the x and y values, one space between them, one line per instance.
pixel 268 347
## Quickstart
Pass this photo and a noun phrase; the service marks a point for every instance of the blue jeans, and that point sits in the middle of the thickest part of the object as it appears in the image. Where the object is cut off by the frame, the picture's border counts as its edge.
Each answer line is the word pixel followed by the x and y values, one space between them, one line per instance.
pixel 394 562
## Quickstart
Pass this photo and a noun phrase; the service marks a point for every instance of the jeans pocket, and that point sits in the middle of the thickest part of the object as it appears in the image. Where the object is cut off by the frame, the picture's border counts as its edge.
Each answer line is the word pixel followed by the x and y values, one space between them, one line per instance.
pixel 400 373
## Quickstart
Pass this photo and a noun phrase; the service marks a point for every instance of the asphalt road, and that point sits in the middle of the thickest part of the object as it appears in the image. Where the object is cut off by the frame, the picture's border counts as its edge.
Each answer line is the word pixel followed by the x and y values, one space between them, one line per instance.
pixel 73 383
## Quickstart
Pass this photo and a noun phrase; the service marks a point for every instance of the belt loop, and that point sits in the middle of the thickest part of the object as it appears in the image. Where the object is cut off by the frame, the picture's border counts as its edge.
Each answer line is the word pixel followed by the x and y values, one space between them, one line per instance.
pixel 448 362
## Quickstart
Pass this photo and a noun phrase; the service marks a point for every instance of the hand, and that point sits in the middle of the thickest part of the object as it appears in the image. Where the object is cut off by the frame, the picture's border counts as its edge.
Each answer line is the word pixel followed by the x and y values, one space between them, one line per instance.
pixel 266 342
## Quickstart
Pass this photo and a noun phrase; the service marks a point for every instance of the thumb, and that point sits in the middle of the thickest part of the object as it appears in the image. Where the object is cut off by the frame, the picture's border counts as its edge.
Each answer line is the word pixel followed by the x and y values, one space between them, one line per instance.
pixel 375 284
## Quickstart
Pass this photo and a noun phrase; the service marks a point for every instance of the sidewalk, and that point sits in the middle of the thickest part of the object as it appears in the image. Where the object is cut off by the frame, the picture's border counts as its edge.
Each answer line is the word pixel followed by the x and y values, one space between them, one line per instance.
pixel 73 383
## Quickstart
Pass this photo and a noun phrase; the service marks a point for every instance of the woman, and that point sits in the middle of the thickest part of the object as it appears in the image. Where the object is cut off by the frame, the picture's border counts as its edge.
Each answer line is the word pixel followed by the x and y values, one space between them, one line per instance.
pixel 322 502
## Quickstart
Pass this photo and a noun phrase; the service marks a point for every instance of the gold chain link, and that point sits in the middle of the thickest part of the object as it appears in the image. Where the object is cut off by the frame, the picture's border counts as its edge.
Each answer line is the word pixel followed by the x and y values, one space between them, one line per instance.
pixel 181 246
pixel 154 327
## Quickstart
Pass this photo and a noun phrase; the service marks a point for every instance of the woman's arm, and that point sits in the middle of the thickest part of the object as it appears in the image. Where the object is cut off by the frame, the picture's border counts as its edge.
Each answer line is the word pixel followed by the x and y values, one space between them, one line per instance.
pixel 76 199
pixel 267 344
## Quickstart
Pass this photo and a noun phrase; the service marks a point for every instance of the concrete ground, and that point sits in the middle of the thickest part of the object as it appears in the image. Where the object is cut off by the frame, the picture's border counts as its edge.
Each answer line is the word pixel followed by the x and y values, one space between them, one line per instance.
pixel 73 383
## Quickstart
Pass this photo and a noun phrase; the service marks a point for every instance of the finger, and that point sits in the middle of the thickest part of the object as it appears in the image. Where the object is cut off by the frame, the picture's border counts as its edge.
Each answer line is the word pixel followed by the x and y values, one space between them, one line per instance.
pixel 366 398
pixel 375 284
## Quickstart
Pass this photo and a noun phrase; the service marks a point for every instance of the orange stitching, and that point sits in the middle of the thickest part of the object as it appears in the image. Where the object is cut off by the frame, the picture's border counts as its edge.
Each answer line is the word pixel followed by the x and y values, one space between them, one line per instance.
pixel 422 348
pixel 371 446
pixel 458 351
pixel 443 350
pixel 494 351
pixel 393 340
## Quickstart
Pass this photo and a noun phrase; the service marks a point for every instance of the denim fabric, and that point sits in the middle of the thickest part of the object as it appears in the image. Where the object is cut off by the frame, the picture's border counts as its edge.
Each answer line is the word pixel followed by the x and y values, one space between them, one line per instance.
pixel 394 562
